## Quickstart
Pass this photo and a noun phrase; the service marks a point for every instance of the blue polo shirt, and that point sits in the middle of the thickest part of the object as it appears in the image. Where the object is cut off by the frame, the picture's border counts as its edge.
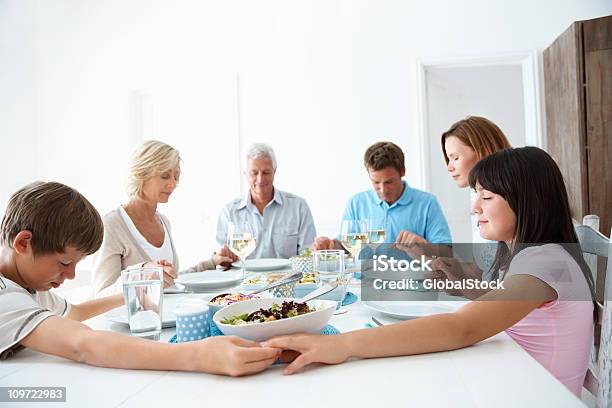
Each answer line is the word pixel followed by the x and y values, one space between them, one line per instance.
pixel 416 211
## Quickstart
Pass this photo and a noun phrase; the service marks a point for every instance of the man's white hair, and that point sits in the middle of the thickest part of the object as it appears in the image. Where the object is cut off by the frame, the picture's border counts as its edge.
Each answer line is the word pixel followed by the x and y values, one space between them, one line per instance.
pixel 259 150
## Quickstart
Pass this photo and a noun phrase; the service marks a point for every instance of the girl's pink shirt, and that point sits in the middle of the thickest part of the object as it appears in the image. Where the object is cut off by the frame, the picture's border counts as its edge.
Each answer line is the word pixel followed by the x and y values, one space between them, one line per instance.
pixel 558 334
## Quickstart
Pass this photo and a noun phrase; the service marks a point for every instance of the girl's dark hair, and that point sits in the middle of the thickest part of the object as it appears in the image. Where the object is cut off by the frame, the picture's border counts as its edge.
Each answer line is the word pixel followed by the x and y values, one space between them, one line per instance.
pixel 532 184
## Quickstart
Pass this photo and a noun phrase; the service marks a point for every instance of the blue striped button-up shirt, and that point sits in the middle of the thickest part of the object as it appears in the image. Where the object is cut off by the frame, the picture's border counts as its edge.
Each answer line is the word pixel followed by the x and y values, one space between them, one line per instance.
pixel 285 228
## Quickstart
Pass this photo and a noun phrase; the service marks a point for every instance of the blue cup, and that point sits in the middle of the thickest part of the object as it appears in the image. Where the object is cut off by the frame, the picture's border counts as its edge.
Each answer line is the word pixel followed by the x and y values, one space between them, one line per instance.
pixel 192 320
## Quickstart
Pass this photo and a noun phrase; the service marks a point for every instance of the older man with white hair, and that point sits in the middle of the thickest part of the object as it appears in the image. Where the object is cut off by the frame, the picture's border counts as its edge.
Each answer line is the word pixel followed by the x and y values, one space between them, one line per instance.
pixel 281 221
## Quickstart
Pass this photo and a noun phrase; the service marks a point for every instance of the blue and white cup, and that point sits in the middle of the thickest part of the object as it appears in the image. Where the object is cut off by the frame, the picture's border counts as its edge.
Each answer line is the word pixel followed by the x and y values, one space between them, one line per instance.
pixel 192 320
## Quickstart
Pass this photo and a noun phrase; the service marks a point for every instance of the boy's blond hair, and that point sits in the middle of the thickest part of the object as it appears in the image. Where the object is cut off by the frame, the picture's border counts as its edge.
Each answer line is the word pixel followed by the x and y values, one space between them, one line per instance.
pixel 58 217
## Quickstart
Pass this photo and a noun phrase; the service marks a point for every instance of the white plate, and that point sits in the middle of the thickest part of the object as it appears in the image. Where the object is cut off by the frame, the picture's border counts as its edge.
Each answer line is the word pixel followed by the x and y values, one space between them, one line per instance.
pixel 311 322
pixel 174 289
pixel 119 315
pixel 210 280
pixel 264 264
pixel 411 310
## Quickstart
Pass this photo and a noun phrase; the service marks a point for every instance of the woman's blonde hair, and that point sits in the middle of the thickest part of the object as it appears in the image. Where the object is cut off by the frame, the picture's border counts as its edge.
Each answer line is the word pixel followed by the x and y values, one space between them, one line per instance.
pixel 151 159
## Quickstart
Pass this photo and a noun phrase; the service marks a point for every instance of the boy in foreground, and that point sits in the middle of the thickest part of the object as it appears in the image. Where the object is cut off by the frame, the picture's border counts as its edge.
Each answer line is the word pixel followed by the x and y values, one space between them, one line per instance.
pixel 46 230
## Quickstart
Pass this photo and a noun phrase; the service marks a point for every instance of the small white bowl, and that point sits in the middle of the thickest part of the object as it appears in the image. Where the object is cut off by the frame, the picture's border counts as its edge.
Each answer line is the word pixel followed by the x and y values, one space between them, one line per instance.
pixel 312 322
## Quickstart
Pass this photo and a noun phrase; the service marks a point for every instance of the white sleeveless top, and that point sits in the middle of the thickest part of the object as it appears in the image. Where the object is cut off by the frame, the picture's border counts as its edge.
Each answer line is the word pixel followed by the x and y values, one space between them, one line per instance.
pixel 155 253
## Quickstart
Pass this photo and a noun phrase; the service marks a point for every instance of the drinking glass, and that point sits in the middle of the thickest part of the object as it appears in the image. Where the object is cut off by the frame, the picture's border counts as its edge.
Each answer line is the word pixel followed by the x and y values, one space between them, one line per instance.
pixel 143 290
pixel 353 235
pixel 241 241
pixel 377 233
pixel 329 264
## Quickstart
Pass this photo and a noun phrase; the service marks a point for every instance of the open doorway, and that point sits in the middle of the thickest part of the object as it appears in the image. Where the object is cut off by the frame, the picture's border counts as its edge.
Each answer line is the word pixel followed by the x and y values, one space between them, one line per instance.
pixel 502 89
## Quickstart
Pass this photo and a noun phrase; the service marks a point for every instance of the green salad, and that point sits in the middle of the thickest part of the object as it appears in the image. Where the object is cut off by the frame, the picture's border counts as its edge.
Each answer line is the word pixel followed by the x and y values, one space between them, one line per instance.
pixel 275 312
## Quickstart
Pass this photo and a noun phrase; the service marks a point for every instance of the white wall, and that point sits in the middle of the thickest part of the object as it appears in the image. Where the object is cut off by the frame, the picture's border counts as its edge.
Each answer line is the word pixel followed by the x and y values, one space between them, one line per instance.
pixel 18 105
pixel 200 120
pixel 494 92
pixel 319 80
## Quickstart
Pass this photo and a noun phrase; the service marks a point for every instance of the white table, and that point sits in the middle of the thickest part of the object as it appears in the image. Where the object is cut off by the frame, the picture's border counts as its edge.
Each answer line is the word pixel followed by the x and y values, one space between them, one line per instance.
pixel 496 372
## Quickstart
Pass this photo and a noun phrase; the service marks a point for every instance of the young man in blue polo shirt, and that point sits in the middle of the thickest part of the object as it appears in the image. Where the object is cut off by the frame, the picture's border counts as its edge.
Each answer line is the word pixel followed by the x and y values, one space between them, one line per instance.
pixel 410 216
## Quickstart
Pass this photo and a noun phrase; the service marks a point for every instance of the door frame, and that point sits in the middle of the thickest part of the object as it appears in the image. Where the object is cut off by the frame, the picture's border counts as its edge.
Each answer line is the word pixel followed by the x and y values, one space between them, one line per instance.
pixel 532 96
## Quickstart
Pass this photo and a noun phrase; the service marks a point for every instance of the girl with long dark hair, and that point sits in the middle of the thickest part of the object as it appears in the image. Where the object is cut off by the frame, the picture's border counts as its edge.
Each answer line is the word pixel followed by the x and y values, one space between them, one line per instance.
pixel 545 303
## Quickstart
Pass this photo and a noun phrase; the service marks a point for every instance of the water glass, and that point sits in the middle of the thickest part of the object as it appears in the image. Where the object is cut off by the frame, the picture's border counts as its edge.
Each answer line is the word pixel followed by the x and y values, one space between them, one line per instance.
pixel 143 290
pixel 330 266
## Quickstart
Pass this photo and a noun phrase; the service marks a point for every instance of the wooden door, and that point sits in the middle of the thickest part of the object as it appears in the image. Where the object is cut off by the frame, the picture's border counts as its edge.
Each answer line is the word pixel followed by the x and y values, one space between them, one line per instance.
pixel 565 121
pixel 597 42
pixel 578 95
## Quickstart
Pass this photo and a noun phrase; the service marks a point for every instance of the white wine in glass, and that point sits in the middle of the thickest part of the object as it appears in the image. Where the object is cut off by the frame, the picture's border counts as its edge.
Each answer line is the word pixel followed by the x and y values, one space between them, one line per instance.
pixel 377 231
pixel 354 241
pixel 353 235
pixel 242 244
pixel 241 241
pixel 377 236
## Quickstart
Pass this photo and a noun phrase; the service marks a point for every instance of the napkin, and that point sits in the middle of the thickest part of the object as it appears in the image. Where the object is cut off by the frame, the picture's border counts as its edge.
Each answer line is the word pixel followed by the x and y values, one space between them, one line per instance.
pixel 349 299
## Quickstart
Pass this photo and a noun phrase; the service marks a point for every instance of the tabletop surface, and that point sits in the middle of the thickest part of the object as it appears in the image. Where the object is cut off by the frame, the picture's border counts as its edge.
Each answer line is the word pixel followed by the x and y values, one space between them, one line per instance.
pixel 496 372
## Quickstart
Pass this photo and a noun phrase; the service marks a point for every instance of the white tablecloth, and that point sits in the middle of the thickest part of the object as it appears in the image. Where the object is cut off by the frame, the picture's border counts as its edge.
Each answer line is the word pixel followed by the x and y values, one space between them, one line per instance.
pixel 494 373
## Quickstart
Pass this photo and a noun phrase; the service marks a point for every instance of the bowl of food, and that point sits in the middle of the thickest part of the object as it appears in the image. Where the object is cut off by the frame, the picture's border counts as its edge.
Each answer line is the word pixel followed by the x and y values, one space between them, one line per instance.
pixel 307 284
pixel 225 299
pixel 254 283
pixel 261 319
pixel 282 291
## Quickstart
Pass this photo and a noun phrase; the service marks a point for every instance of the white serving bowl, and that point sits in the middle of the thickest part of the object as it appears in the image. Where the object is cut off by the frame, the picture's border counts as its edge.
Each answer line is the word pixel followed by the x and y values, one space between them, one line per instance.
pixel 312 322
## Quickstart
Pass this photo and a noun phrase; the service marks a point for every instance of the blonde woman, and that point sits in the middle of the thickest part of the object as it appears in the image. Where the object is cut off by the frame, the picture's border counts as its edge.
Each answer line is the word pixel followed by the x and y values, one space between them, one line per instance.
pixel 135 233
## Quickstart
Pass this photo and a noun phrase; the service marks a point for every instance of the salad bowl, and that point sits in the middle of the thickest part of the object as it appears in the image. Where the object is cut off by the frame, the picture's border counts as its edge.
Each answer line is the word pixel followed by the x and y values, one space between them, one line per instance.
pixel 230 319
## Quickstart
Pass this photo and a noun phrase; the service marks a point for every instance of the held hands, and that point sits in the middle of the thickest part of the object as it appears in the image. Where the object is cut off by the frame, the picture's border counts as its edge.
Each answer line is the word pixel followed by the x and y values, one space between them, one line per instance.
pixel 233 356
pixel 453 270
pixel 412 244
pixel 169 272
pixel 224 257
pixel 321 243
pixel 303 349
pixel 408 238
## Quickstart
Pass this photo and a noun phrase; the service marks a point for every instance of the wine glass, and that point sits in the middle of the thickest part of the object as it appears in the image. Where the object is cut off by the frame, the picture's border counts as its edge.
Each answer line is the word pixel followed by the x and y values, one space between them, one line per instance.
pixel 241 241
pixel 353 235
pixel 377 233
